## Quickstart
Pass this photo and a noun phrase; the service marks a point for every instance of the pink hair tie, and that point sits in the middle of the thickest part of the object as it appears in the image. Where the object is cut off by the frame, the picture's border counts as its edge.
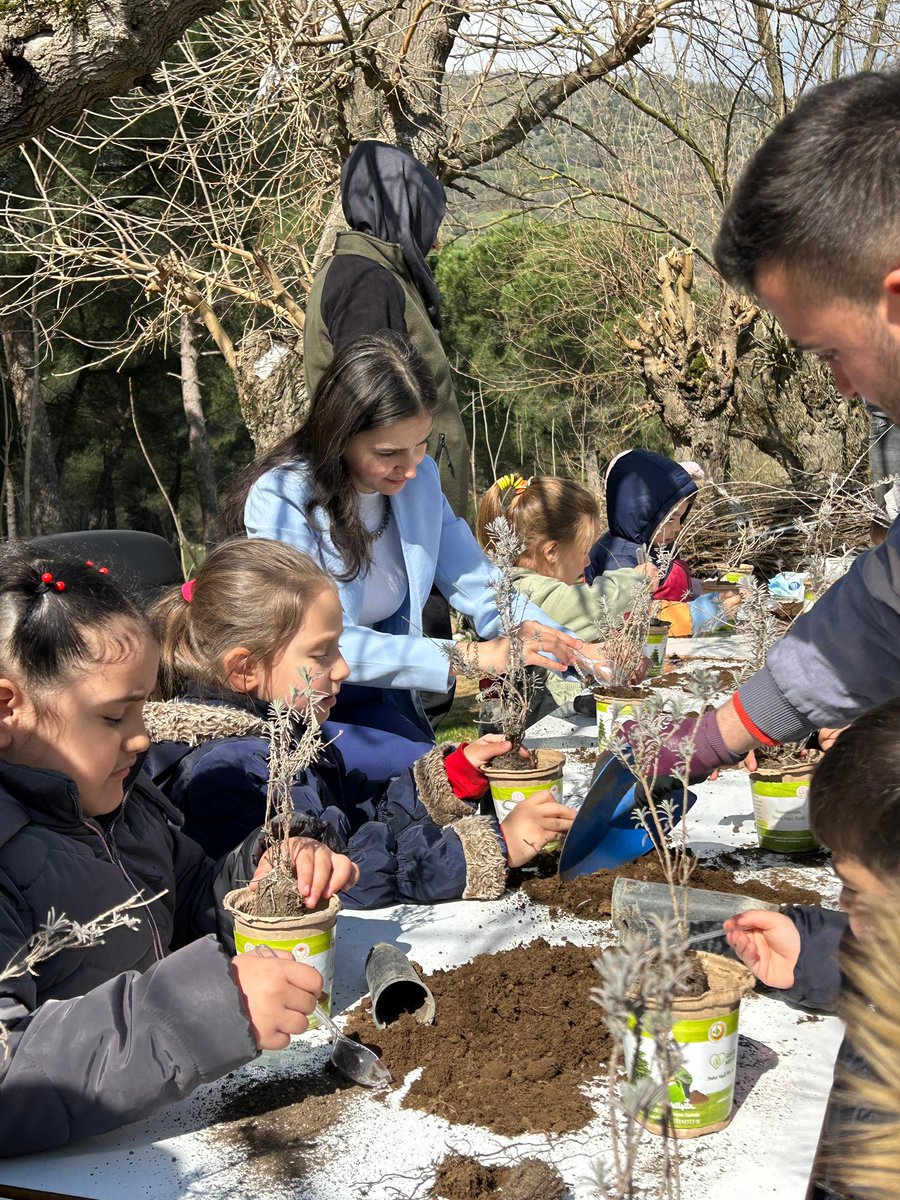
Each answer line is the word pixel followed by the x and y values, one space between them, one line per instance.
pixel 187 589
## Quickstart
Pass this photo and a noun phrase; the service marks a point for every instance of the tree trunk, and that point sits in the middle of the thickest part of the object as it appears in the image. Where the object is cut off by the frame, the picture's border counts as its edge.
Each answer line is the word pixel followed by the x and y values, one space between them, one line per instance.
pixel 198 439
pixel 40 482
pixel 58 57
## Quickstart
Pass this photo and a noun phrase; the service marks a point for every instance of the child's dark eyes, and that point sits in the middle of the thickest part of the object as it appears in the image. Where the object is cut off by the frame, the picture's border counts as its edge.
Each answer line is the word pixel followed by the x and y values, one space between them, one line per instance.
pixel 113 720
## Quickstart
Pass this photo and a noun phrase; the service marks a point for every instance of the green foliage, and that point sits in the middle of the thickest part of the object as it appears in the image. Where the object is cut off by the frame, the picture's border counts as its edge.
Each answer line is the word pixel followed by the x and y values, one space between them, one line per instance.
pixel 531 309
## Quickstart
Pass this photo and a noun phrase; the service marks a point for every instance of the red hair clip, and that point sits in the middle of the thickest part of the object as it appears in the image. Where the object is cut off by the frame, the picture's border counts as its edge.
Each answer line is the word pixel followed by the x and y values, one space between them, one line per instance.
pixel 46 581
pixel 187 589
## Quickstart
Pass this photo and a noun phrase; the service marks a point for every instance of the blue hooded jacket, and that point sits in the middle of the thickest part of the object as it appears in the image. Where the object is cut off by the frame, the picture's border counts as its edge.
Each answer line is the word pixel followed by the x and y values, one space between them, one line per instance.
pixel 642 489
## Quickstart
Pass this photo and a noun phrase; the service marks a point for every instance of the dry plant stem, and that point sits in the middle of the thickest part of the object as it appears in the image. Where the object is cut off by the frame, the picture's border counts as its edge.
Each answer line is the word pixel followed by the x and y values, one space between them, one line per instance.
pixel 295 741
pixel 59 933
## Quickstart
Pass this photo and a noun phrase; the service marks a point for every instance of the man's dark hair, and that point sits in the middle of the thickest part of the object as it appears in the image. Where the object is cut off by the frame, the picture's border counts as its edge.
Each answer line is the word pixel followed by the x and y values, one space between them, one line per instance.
pixel 854 800
pixel 821 195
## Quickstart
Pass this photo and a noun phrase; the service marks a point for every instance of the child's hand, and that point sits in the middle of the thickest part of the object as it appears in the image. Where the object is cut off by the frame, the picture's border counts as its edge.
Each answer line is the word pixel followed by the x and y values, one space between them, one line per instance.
pixel 279 994
pixel 487 748
pixel 534 822
pixel 650 570
pixel 767 942
pixel 729 601
pixel 319 872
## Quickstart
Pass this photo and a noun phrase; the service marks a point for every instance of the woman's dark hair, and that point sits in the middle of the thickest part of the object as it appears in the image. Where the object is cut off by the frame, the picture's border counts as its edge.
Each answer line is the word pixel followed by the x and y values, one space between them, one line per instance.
pixel 57 616
pixel 854 797
pixel 372 382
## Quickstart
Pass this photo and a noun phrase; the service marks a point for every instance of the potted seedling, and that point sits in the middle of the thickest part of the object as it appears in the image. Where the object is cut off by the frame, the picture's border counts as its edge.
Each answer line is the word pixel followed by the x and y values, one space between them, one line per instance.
pixel 672 1011
pixel 273 913
pixel 508 696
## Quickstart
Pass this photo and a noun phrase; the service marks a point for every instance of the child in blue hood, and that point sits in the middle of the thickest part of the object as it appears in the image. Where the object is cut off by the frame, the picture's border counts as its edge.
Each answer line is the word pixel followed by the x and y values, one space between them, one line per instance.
pixel 648 497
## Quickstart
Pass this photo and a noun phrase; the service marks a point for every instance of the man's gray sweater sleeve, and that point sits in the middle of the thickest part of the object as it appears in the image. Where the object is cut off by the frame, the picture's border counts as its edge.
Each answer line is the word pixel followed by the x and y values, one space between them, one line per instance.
pixel 840 658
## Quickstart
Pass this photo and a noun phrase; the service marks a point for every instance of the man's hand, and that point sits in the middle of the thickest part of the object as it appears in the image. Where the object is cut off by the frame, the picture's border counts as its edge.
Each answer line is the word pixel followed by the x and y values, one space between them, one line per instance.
pixel 319 872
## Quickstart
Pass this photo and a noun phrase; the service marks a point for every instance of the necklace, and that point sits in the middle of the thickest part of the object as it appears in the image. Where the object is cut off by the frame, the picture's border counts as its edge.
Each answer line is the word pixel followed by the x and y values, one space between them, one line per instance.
pixel 385 520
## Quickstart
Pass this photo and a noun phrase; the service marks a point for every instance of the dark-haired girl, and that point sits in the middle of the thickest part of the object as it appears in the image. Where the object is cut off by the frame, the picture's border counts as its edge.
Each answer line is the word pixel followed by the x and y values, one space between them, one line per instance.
pixel 99 1035
pixel 354 489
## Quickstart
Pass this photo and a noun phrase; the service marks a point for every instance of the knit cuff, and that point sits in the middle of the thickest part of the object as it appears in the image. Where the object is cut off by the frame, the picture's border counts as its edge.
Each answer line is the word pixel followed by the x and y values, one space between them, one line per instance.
pixel 766 707
pixel 466 780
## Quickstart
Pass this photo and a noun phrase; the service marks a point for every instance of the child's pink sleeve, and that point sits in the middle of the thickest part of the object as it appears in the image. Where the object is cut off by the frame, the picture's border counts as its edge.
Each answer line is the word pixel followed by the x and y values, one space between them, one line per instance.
pixel 677 585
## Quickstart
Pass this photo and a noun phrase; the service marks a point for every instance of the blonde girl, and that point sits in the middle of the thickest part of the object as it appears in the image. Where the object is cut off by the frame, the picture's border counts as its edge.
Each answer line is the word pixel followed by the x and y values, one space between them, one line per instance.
pixel 258 620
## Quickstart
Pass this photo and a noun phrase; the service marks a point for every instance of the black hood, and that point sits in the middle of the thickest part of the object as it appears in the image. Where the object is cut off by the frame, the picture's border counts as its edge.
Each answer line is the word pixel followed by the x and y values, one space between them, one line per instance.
pixel 390 195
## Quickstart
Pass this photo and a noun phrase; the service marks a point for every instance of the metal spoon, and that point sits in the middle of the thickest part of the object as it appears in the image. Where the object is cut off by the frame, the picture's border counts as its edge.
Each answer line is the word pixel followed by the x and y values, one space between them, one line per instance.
pixel 355 1062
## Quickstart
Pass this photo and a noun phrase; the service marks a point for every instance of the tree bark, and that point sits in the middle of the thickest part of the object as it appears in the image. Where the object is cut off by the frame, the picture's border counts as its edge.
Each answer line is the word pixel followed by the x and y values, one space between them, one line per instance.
pixel 198 438
pixel 40 482
pixel 57 58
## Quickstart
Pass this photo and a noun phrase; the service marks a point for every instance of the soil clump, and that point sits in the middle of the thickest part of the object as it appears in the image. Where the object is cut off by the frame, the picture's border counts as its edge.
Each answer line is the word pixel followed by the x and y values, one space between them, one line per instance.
pixel 590 896
pixel 460 1177
pixel 778 757
pixel 515 1035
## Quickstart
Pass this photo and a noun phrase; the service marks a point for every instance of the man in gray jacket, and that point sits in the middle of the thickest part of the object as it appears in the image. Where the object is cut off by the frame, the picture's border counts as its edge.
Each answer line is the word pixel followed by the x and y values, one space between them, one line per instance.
pixel 813 231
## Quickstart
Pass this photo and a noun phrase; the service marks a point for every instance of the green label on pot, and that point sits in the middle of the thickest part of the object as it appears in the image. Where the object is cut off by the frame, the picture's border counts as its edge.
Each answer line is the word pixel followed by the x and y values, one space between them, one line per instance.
pixel 314 949
pixel 605 721
pixel 506 798
pixel 655 650
pixel 781 812
pixel 701 1086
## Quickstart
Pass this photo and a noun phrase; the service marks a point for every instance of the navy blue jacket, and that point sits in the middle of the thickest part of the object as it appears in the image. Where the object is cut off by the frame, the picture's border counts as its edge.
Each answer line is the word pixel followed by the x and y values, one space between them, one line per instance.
pixel 642 489
pixel 818 983
pixel 210 758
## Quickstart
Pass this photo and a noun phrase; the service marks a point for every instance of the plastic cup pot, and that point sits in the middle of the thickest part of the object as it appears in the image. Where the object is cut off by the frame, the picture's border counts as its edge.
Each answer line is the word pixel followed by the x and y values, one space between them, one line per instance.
pixel 308 938
pixel 509 788
pixel 781 808
pixel 655 647
pixel 704 1032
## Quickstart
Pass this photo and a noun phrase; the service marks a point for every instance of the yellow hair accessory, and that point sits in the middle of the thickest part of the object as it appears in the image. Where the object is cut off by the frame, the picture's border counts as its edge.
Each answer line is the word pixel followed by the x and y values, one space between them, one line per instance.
pixel 514 481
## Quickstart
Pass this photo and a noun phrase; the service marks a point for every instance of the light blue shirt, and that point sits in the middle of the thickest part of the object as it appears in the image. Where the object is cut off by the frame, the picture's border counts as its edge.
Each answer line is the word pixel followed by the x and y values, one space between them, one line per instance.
pixel 438 549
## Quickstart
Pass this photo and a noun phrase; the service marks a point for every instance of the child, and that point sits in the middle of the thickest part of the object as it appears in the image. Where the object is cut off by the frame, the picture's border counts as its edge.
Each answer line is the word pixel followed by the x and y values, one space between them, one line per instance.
pixel 258 614
pixel 556 521
pixel 105 1034
pixel 648 498
pixel 796 950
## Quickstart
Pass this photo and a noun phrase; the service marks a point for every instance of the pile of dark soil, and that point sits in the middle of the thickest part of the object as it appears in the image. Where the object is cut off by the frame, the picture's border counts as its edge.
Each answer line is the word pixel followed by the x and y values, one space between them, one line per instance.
pixel 725 679
pixel 460 1177
pixel 515 1034
pixel 590 896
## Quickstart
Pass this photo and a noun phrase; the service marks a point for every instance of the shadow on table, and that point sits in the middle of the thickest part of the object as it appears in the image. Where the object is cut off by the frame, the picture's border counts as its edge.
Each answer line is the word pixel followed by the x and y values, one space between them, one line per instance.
pixel 754 1059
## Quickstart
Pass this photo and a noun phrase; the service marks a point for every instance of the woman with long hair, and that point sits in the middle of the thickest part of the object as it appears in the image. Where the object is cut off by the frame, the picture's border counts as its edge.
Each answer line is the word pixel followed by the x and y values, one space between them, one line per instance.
pixel 355 490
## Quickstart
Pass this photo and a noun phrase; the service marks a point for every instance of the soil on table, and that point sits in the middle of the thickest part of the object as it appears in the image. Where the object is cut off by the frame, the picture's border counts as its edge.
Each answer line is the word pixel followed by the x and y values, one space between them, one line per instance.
pixel 621 692
pixel 514 1038
pixel 460 1177
pixel 590 896
pixel 725 679
pixel 274 1123
pixel 775 758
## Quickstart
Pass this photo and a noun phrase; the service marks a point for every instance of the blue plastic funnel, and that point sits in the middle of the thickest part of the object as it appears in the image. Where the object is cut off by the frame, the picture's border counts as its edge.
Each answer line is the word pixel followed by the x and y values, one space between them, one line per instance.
pixel 604 834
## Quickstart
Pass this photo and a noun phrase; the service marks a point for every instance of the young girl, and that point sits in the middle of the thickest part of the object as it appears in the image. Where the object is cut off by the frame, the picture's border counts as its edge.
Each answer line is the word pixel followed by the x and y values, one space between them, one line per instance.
pixel 242 634
pixel 354 489
pixel 556 521
pixel 648 497
pixel 103 1034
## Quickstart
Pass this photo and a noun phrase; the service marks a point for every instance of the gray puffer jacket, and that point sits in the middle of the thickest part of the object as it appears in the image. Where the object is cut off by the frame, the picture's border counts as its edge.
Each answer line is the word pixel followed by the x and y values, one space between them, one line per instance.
pixel 107 1034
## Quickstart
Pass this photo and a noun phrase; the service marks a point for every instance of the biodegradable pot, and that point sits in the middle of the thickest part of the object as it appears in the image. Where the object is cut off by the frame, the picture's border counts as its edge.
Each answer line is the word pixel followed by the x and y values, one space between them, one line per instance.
pixel 396 987
pixel 509 787
pixel 705 1030
pixel 655 647
pixel 309 938
pixel 612 709
pixel 781 808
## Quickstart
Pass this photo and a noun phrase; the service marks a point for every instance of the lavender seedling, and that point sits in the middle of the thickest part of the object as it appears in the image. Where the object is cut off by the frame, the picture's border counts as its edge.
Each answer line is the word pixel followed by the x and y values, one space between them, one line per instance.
pixel 295 741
